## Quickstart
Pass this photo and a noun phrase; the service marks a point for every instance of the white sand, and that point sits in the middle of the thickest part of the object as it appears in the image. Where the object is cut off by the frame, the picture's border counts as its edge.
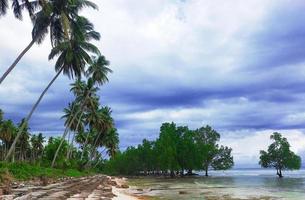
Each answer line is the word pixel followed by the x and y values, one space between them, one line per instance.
pixel 121 194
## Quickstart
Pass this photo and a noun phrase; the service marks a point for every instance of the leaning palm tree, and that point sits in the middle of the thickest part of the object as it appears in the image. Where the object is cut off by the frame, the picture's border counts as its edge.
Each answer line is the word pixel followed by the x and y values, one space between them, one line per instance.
pixel 57 15
pixel 18 7
pixel 98 70
pixel 23 144
pixel 73 55
pixel 87 98
pixel 74 117
pixel 111 142
pixel 3 7
pixel 103 124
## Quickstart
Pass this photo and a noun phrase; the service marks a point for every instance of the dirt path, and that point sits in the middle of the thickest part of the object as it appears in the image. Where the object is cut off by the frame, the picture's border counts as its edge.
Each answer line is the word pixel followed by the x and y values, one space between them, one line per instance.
pixel 91 188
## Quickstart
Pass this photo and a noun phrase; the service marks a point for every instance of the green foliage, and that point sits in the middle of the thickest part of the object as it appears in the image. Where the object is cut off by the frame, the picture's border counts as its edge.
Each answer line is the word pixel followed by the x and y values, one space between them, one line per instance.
pixel 26 171
pixel 279 156
pixel 176 149
pixel 51 148
pixel 166 147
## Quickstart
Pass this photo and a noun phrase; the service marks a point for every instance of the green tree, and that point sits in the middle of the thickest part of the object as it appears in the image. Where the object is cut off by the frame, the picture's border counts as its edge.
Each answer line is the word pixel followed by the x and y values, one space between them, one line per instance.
pixel 23 144
pixel 188 151
pixel 37 146
pixel 212 155
pixel 73 55
pixel 57 15
pixel 52 147
pixel 7 135
pixel 146 156
pixel 279 155
pixel 166 147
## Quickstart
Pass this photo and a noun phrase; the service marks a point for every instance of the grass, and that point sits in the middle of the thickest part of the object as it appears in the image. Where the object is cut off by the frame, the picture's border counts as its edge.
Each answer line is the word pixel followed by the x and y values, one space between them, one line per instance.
pixel 26 171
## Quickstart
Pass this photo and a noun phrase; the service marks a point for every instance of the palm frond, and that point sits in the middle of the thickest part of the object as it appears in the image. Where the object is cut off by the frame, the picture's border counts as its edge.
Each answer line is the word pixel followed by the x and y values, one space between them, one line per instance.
pixel 3 7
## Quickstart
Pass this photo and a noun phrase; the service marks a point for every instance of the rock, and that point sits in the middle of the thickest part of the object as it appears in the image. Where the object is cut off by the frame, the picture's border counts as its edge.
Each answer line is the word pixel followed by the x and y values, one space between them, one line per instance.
pixel 140 189
pixel 124 186
pixel 44 180
pixel 7 197
pixel 112 183
pixel 182 192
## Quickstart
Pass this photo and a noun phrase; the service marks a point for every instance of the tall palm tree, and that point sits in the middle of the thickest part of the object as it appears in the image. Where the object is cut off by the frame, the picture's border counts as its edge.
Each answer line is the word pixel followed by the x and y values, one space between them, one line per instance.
pixel 23 143
pixel 57 15
pixel 111 142
pixel 99 71
pixel 87 98
pixel 18 7
pixel 74 117
pixel 103 123
pixel 73 55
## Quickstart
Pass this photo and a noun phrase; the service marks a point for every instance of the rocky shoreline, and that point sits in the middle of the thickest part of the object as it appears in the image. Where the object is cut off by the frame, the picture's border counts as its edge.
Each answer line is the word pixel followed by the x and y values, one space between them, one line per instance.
pixel 91 188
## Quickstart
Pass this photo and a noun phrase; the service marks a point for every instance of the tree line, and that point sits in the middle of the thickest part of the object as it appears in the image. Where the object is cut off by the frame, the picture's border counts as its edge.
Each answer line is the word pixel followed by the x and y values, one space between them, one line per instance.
pixel 177 151
pixel 84 147
pixel 71 37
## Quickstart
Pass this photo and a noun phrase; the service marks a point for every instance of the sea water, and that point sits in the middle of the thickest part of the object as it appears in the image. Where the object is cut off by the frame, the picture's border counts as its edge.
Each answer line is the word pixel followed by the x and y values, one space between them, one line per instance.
pixel 232 184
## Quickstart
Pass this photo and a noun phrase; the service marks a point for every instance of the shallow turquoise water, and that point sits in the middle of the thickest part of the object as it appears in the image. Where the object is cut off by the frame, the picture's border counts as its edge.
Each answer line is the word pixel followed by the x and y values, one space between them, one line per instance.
pixel 240 184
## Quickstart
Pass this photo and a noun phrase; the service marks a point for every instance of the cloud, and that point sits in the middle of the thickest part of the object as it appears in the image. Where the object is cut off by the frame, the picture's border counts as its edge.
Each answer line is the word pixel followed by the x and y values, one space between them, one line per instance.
pixel 248 143
pixel 236 65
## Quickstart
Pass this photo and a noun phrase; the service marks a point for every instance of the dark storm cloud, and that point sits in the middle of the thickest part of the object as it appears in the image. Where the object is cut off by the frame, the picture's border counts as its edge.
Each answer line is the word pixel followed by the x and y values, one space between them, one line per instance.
pixel 281 39
pixel 181 70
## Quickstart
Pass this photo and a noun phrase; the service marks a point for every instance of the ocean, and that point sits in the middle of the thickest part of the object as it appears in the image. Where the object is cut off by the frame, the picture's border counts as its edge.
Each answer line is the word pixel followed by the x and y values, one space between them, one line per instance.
pixel 227 185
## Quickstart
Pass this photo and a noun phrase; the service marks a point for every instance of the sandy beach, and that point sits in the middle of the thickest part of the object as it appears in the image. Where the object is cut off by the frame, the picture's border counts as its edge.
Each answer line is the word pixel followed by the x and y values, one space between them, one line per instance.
pixel 122 193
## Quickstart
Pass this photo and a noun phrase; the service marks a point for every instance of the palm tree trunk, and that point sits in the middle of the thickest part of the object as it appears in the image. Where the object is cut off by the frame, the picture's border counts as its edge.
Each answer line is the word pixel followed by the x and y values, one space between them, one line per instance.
pixel 16 61
pixel 8 155
pixel 95 146
pixel 71 146
pixel 86 141
pixel 61 143
pixel 65 133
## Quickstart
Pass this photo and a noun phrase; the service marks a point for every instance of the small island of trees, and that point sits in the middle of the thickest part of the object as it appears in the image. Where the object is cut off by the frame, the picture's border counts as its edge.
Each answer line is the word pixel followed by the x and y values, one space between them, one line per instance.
pixel 176 150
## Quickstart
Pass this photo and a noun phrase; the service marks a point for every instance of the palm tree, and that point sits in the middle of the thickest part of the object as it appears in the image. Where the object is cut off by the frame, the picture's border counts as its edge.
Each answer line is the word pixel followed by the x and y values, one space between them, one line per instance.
pixel 7 134
pixel 18 7
pixel 74 117
pixel 57 15
pixel 103 123
pixel 23 143
pixel 111 142
pixel 99 71
pixel 73 55
pixel 86 99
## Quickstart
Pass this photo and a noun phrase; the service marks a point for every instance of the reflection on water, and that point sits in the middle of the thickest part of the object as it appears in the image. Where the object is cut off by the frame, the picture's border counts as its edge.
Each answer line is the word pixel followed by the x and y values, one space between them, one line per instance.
pixel 233 184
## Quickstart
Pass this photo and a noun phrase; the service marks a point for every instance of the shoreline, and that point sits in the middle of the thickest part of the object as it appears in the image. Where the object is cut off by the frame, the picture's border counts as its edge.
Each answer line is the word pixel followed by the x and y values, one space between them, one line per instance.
pixel 86 187
pixel 122 190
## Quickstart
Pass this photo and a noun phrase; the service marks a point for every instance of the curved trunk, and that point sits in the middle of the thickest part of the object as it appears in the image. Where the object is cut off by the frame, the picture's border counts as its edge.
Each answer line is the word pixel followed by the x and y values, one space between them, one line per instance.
pixel 61 143
pixel 64 135
pixel 86 141
pixel 12 148
pixel 16 61
pixel 71 146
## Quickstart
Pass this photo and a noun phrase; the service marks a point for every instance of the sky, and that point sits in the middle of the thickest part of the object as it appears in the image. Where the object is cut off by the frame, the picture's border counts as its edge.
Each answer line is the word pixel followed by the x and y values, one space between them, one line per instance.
pixel 236 65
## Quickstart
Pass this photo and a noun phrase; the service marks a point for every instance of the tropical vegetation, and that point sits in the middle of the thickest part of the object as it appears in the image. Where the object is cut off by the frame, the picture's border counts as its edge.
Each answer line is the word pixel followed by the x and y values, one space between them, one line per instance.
pixel 279 156
pixel 177 151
